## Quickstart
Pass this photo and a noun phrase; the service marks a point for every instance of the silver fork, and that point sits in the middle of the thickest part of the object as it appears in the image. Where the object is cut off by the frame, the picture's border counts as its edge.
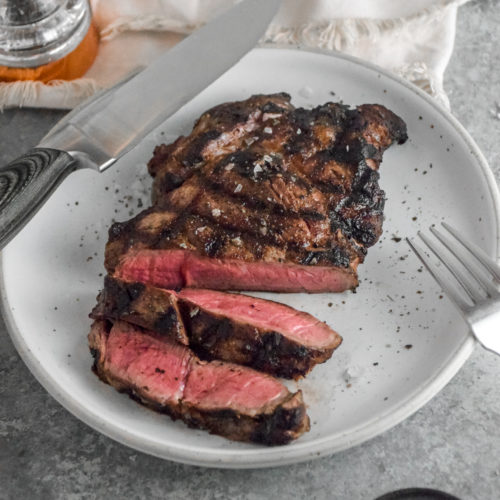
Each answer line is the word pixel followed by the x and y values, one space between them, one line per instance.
pixel 475 285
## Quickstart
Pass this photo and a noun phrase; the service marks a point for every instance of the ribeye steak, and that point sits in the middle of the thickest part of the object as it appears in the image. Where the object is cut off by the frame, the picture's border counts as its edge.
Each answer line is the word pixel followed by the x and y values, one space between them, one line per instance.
pixel 262 196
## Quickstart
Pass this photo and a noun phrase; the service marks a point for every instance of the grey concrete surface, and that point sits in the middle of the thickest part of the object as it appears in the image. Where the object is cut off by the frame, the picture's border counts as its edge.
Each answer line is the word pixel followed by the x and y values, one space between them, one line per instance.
pixel 453 443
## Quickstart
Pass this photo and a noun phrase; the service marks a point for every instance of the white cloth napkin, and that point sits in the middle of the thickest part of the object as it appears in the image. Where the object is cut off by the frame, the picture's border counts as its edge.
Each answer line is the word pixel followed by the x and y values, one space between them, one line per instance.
pixel 413 39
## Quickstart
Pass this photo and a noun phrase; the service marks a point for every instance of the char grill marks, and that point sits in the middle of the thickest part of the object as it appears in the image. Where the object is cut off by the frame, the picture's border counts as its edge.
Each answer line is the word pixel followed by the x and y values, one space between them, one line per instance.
pixel 218 236
pixel 319 164
pixel 262 181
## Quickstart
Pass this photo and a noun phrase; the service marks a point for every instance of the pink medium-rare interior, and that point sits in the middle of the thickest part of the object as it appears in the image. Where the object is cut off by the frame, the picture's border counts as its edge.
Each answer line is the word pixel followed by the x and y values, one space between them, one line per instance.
pixel 183 268
pixel 218 385
pixel 169 372
pixel 268 315
pixel 156 367
pixel 154 267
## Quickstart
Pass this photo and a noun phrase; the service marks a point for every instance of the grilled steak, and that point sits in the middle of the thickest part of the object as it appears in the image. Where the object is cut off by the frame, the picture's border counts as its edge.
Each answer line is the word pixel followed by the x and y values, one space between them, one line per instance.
pixel 262 196
pixel 265 335
pixel 149 307
pixel 223 398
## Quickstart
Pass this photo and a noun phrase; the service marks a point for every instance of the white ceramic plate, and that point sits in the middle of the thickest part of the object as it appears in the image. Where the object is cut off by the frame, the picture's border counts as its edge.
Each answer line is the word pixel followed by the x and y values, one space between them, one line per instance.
pixel 402 341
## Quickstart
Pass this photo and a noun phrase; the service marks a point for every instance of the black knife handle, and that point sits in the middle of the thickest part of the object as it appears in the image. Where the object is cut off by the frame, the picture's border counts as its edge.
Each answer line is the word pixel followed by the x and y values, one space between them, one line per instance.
pixel 25 185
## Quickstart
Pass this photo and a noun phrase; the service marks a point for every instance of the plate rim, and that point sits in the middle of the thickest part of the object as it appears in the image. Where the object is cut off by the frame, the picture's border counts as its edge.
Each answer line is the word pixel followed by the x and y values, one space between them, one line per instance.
pixel 277 456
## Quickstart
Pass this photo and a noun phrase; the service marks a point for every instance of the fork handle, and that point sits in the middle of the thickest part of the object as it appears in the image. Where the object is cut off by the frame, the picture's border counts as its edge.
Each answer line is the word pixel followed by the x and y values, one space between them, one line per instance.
pixel 26 184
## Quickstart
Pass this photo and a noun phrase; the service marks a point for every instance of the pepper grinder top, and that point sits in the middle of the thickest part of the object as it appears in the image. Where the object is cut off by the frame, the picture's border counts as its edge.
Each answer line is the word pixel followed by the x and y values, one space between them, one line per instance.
pixel 37 32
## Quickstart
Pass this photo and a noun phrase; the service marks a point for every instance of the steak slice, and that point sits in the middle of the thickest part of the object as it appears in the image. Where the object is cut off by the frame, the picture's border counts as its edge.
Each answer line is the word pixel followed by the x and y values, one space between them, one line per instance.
pixel 156 310
pixel 181 268
pixel 262 334
pixel 168 250
pixel 262 196
pixel 222 398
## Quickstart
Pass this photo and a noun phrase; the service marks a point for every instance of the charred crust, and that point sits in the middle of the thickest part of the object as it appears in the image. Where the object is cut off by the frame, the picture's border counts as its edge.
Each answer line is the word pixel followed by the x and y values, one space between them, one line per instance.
pixel 396 126
pixel 279 356
pixel 308 259
pixel 216 240
pixel 354 152
pixel 133 302
pixel 213 245
pixel 363 231
pixel 95 353
pixel 212 337
pixel 117 297
pixel 194 153
pixel 267 206
pixel 311 215
pixel 117 230
pixel 166 321
pixel 135 290
pixel 243 161
pixel 123 293
pixel 335 256
pixel 96 342
pixel 160 155
pixel 273 107
pixel 365 184
pixel 225 117
pixel 137 397
pixel 167 182
pixel 279 427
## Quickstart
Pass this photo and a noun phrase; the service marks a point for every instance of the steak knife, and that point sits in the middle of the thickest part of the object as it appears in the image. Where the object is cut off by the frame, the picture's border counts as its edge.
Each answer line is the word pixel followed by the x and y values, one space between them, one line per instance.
pixel 100 131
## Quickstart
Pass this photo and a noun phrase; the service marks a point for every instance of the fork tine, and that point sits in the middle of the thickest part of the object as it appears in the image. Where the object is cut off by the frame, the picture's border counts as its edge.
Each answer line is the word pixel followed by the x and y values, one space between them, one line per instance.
pixel 477 252
pixel 465 281
pixel 443 282
pixel 457 249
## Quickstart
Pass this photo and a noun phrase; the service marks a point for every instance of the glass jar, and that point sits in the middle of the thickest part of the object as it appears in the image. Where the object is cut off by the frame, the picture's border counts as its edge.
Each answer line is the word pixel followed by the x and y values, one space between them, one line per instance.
pixel 37 32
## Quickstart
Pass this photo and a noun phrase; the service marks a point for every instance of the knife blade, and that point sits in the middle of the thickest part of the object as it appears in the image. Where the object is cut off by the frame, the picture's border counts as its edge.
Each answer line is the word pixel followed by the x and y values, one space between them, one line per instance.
pixel 104 129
